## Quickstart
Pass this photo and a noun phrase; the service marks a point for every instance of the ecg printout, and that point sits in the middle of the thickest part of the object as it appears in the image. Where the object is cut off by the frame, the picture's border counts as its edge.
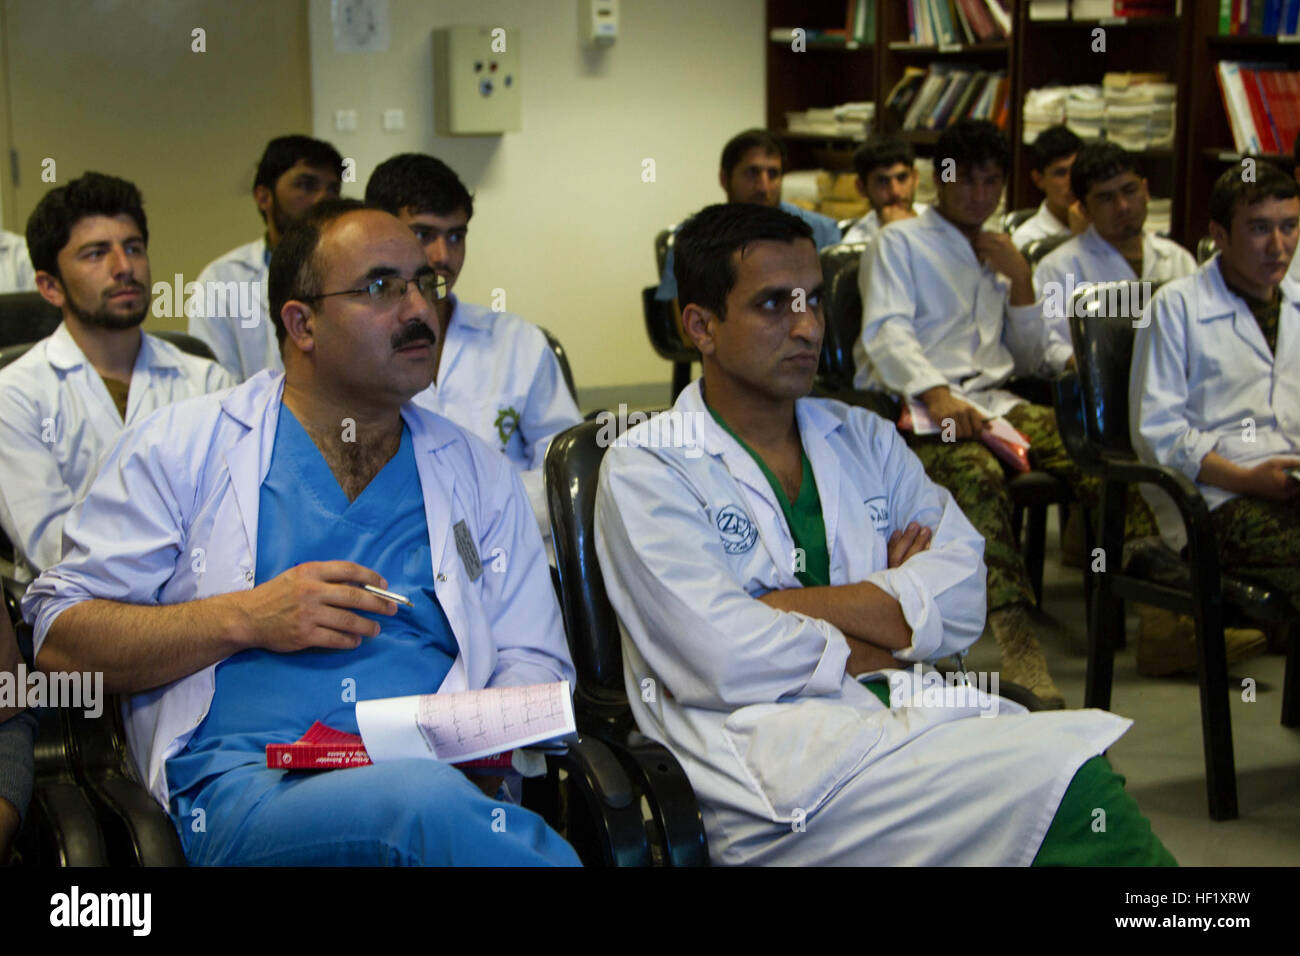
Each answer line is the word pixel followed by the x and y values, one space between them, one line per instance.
pixel 466 725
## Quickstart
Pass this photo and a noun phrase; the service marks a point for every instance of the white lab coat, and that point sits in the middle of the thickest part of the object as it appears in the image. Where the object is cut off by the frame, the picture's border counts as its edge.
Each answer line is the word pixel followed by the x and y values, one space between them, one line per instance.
pixel 934 315
pixel 1202 368
pixel 499 379
pixel 868 227
pixel 1041 225
pixel 244 344
pixel 16 272
pixel 1089 258
pixel 58 422
pixel 793 761
pixel 173 518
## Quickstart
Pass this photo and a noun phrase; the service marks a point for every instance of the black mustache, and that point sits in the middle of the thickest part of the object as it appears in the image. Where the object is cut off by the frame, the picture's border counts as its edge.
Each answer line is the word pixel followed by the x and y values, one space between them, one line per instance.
pixel 415 332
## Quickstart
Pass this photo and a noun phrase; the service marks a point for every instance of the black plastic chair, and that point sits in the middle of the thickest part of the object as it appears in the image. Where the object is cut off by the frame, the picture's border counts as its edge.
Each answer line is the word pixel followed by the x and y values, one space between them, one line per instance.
pixel 186 343
pixel 1093 414
pixel 26 317
pixel 571 471
pixel 1035 249
pixel 1205 250
pixel 1032 493
pixel 1016 218
pixel 661 327
pixel 563 358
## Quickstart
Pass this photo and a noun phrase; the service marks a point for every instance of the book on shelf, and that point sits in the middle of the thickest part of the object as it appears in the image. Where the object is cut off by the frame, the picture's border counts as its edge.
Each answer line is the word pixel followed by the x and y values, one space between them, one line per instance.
pixel 1268 18
pixel 949 92
pixel 1262 103
pixel 950 22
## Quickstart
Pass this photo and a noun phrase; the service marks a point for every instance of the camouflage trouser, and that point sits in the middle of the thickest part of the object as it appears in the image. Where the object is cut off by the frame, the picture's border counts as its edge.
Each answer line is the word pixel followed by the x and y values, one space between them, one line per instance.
pixel 1260 539
pixel 978 482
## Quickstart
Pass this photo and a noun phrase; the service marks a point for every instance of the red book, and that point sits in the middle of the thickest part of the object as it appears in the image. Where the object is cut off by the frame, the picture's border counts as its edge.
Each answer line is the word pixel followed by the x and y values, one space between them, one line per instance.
pixel 324 748
pixel 1257 115
pixel 980 19
pixel 1277 100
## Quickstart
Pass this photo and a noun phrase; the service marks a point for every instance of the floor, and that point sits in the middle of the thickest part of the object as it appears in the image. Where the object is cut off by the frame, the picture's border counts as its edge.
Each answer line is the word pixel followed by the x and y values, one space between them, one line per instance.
pixel 1161 755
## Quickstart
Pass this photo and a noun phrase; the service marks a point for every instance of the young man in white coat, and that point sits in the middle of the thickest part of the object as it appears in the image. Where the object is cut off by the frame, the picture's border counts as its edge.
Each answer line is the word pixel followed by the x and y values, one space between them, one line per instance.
pixel 213 574
pixel 1215 385
pixel 886 178
pixel 64 403
pixel 16 272
pixel 494 373
pixel 294 173
pixel 949 315
pixel 1115 247
pixel 793 546
pixel 1059 214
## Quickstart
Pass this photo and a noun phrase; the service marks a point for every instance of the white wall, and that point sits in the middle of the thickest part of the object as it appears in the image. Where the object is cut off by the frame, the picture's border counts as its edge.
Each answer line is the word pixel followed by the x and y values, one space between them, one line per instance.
pixel 562 220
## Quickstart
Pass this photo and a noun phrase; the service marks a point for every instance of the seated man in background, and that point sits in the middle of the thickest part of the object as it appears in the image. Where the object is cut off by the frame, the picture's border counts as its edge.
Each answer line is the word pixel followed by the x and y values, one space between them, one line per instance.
pixel 212 574
pixel 16 272
pixel 886 178
pixel 1116 246
pixel 64 403
pixel 1215 385
pixel 294 174
pixel 949 315
pixel 494 374
pixel 17 731
pixel 797 547
pixel 753 163
pixel 1058 214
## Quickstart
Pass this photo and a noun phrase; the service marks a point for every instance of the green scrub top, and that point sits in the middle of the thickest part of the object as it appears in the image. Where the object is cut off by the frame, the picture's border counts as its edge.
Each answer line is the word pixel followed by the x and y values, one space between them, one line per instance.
pixel 804 517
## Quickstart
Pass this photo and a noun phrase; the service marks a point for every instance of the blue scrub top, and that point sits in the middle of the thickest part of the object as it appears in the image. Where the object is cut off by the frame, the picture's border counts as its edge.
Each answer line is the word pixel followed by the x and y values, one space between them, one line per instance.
pixel 262 697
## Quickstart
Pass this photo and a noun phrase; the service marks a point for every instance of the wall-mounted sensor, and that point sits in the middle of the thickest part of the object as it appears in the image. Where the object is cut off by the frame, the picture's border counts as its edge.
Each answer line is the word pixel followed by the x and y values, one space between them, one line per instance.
pixel 598 21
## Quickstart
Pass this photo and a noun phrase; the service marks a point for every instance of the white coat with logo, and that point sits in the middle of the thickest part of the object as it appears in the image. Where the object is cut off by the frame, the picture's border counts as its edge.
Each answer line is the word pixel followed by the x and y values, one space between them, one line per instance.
pixel 1203 379
pixel 499 379
pixel 173 518
pixel 243 344
pixel 794 761
pixel 58 421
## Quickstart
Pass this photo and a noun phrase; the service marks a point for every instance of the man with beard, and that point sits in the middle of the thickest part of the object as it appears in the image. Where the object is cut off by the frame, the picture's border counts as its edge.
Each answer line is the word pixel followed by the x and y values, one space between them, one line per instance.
pixel 66 401
pixel 295 173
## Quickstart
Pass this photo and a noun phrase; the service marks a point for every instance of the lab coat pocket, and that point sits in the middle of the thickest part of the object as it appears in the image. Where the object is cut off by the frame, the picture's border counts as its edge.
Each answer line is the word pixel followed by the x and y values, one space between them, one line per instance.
pixel 798 755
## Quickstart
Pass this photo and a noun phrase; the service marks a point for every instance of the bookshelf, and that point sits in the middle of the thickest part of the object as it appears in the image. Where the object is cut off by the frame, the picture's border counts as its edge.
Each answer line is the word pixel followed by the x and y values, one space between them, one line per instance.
pixel 1060 53
pixel 1210 146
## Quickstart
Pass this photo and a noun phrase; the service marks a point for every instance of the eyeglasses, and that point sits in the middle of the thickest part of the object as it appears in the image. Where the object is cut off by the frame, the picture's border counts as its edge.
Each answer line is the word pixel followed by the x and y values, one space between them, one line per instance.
pixel 388 290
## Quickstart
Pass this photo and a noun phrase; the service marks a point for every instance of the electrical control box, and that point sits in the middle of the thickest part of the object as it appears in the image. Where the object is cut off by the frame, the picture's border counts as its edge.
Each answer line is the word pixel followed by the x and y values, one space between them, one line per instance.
pixel 476 81
pixel 598 21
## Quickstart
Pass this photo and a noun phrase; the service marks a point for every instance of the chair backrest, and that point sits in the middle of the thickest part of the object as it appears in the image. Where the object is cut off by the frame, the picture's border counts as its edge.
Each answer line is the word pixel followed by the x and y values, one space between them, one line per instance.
pixel 661 327
pixel 843 312
pixel 571 473
pixel 1101 324
pixel 11 353
pixel 844 225
pixel 563 358
pixel 1035 249
pixel 26 317
pixel 186 343
pixel 1204 249
pixel 663 241
pixel 1016 217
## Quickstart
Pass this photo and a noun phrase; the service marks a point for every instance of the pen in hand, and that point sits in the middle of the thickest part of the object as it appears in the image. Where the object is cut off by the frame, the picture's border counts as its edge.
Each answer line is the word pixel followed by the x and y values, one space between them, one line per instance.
pixel 390 595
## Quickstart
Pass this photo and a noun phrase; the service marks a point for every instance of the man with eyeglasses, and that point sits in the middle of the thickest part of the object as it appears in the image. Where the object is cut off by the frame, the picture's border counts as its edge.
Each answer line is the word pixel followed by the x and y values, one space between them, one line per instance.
pixel 214 572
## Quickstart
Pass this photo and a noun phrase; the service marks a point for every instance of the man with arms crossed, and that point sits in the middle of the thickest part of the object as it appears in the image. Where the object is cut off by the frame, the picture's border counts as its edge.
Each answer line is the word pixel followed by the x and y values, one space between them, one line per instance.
pixel 796 547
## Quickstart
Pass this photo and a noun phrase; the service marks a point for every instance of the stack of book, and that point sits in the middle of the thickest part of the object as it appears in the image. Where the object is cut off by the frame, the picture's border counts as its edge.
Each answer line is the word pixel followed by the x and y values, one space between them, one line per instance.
pixel 1104 9
pixel 1268 18
pixel 1043 107
pixel 847 119
pixel 930 100
pixel 944 22
pixel 1262 101
pixel 1139 109
pixel 1085 111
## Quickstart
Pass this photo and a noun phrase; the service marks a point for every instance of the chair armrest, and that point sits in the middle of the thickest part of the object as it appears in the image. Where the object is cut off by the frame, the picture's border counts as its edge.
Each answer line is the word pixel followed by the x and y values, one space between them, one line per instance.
pixel 61 828
pixel 1187 497
pixel 611 831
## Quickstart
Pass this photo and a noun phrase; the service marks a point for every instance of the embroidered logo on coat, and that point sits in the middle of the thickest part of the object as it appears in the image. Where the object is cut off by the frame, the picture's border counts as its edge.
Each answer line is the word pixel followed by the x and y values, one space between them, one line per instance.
pixel 878 511
pixel 736 530
pixel 507 423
